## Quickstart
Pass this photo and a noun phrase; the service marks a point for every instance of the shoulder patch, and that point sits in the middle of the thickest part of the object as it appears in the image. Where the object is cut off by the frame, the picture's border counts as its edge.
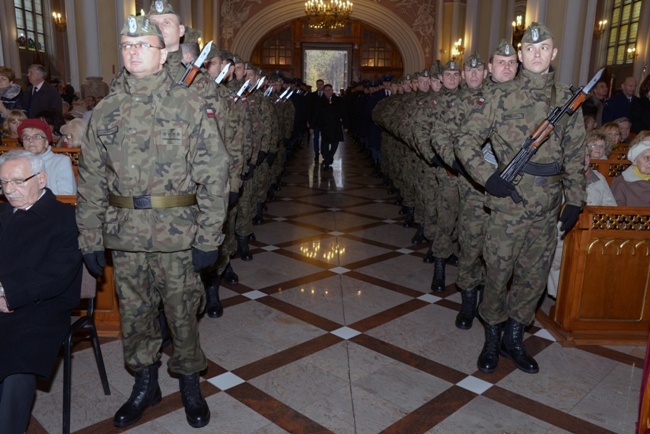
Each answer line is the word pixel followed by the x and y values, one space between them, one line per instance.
pixel 209 112
pixel 480 101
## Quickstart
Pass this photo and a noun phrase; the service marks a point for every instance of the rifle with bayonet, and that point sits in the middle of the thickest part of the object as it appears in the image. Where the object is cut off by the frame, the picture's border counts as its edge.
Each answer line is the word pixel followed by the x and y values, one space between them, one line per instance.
pixel 242 90
pixel 193 69
pixel 544 129
pixel 223 73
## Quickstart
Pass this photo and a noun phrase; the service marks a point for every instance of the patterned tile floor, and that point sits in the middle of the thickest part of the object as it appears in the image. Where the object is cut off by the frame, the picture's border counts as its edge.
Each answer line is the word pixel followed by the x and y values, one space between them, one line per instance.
pixel 332 328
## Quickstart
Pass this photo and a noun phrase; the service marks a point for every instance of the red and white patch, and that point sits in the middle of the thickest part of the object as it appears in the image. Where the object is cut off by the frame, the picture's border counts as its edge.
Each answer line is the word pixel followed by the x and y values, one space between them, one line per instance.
pixel 209 112
pixel 480 101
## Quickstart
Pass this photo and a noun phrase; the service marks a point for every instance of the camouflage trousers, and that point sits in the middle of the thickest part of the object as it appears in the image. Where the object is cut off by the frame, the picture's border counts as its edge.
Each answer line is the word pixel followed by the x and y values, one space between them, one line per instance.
pixel 443 233
pixel 261 177
pixel 519 244
pixel 143 280
pixel 388 153
pixel 396 166
pixel 229 245
pixel 472 219
pixel 246 208
pixel 428 187
pixel 409 171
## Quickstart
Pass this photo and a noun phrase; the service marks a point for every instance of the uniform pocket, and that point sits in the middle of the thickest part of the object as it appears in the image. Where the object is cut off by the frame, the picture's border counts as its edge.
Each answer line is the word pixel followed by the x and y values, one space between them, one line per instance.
pixel 109 135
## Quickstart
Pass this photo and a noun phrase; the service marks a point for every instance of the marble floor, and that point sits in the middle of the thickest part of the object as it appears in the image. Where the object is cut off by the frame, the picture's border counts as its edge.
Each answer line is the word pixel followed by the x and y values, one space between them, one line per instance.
pixel 333 328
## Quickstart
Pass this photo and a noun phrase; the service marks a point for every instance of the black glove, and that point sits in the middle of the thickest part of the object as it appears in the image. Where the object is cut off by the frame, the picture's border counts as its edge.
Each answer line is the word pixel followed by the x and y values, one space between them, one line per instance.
pixel 201 259
pixel 95 262
pixel 249 175
pixel 501 188
pixel 436 161
pixel 569 217
pixel 271 158
pixel 232 198
pixel 460 169
pixel 261 156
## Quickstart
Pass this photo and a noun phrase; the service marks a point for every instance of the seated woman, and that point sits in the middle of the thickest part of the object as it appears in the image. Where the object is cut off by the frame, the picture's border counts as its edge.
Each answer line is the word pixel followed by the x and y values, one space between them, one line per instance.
pixel 10 125
pixel 36 137
pixel 72 133
pixel 598 193
pixel 590 123
pixel 632 187
pixel 624 126
pixel 596 146
pixel 613 134
pixel 9 92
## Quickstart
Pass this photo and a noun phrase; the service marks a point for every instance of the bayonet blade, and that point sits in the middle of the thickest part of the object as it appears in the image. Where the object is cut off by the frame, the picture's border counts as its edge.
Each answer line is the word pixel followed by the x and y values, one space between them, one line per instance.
pixel 593 81
pixel 260 82
pixel 204 55
pixel 223 73
pixel 243 88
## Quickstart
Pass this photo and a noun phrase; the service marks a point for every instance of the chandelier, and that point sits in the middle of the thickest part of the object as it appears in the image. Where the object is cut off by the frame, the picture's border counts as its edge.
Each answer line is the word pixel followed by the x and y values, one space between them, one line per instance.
pixel 328 14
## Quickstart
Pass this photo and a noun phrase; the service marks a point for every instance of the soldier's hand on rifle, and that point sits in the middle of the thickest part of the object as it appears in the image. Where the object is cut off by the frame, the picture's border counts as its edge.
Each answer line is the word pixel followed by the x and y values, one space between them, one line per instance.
pixel 569 216
pixel 201 259
pixel 95 262
pixel 501 188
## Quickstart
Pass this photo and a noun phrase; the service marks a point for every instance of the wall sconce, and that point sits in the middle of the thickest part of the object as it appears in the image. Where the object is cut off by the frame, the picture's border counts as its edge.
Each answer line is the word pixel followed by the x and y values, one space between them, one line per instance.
pixel 631 53
pixel 458 49
pixel 518 28
pixel 599 28
pixel 59 21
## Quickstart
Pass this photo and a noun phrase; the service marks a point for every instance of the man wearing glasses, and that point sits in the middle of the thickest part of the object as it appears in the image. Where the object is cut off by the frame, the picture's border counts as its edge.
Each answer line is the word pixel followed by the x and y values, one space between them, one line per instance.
pixel 153 188
pixel 40 282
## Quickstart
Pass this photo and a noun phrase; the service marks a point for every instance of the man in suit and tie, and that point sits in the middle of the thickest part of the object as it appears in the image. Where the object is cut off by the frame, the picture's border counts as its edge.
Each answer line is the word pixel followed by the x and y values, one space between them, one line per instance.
pixel 618 106
pixel 40 95
pixel 313 100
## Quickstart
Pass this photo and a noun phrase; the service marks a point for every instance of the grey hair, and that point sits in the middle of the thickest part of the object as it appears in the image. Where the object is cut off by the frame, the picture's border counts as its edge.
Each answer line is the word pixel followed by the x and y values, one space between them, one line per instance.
pixel 40 68
pixel 35 161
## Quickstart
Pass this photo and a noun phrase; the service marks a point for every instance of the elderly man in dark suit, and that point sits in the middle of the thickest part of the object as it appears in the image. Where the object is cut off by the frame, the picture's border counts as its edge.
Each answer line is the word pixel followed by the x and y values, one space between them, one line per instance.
pixel 40 282
pixel 40 95
pixel 331 119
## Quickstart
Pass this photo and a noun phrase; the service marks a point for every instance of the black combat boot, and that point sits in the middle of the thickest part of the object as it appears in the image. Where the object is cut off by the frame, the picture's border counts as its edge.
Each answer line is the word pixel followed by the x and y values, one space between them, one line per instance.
pixel 386 180
pixel 438 282
pixel 419 235
pixel 512 346
pixel 489 358
pixel 259 216
pixel 453 260
pixel 196 409
pixel 252 237
pixel 242 248
pixel 229 274
pixel 399 201
pixel 270 194
pixel 428 257
pixel 211 282
pixel 146 393
pixel 467 312
pixel 410 217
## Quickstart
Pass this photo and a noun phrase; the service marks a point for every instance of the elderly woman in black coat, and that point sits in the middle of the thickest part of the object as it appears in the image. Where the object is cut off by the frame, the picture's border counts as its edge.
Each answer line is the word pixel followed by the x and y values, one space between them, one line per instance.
pixel 40 281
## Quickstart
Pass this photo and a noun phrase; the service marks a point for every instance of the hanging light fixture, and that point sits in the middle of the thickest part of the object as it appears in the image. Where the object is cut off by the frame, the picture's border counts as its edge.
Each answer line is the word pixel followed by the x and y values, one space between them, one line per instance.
pixel 328 14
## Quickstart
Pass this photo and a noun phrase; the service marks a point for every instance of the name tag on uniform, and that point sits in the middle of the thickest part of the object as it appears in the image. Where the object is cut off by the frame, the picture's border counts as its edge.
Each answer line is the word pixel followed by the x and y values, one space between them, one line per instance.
pixel 170 136
pixel 511 116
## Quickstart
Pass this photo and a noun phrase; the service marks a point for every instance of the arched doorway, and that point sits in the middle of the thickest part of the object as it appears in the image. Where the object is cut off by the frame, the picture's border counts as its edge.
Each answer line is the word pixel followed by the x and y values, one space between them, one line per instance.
pixel 372 53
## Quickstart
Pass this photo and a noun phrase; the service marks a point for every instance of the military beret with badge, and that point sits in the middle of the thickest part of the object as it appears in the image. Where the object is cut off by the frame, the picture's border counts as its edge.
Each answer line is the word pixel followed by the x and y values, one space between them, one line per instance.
pixel 536 32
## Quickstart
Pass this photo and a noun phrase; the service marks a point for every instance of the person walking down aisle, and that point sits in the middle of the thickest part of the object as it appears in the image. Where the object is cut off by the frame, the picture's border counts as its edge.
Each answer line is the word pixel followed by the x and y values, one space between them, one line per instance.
pixel 153 188
pixel 331 119
pixel 521 236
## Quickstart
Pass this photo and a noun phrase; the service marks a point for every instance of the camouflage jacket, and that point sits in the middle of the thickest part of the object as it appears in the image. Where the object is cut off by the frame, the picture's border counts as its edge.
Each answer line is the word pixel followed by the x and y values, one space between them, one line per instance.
pixel 270 125
pixel 237 135
pixel 256 126
pixel 414 129
pixel 508 115
pixel 152 137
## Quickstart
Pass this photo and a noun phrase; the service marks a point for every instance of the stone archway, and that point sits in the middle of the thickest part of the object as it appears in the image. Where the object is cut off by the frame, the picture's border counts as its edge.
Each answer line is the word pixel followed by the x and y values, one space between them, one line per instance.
pixel 372 13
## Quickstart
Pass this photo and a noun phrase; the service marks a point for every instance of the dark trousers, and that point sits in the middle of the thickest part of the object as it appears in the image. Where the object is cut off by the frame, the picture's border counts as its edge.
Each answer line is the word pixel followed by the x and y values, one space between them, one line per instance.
pixel 16 397
pixel 316 141
pixel 328 149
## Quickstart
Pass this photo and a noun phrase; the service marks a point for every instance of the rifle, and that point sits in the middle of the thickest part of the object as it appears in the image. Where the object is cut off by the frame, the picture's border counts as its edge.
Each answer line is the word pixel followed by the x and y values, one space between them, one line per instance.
pixel 544 129
pixel 241 90
pixel 223 73
pixel 192 69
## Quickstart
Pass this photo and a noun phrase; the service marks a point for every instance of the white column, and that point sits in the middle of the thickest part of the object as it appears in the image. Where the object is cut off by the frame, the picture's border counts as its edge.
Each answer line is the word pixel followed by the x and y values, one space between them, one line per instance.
pixel 495 25
pixel 570 50
pixel 471 26
pixel 588 41
pixel 91 36
pixel 535 11
pixel 9 47
pixel 186 14
pixel 73 55
pixel 439 17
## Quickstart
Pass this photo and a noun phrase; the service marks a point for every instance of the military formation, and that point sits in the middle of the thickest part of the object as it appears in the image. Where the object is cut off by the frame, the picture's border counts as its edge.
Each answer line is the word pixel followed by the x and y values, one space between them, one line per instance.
pixel 180 158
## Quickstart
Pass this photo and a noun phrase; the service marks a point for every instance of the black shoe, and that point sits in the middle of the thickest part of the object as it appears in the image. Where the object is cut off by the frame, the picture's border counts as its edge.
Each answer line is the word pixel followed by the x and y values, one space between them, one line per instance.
pixel 243 249
pixel 259 216
pixel 145 393
pixel 213 307
pixel 410 217
pixel 399 201
pixel 452 260
pixel 512 346
pixel 467 312
pixel 428 257
pixel 489 358
pixel 251 237
pixel 229 274
pixel 438 282
pixel 197 411
pixel 419 235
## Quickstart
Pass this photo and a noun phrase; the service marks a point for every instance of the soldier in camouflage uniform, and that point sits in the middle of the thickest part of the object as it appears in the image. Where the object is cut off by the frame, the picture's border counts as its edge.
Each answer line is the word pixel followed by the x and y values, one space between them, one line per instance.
pixel 472 214
pixel 152 188
pixel 521 236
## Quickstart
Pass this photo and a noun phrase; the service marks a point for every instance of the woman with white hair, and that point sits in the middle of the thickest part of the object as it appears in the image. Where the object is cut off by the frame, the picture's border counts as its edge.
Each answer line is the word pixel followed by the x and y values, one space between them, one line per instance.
pixel 632 187
pixel 72 133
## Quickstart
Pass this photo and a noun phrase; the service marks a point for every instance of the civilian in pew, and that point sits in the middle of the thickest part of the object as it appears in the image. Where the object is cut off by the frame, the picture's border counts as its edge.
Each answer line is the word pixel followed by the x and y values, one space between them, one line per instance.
pixel 596 146
pixel 10 125
pixel 598 194
pixel 40 282
pixel 624 126
pixel 72 133
pixel 613 134
pixel 640 108
pixel 590 123
pixel 36 137
pixel 640 137
pixel 10 92
pixel 632 188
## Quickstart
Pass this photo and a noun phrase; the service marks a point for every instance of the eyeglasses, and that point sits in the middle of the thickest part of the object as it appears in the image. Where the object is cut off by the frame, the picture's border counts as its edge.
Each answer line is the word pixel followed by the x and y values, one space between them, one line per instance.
pixel 17 182
pixel 125 46
pixel 597 146
pixel 32 138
